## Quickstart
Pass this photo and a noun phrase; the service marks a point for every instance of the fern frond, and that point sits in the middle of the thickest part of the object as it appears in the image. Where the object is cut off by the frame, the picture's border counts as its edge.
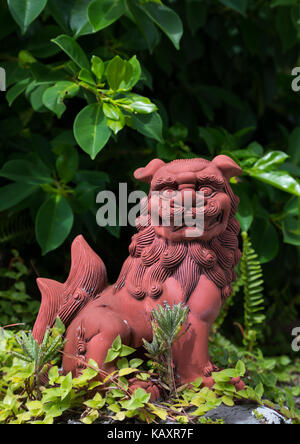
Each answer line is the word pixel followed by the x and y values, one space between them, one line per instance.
pixel 16 226
pixel 252 278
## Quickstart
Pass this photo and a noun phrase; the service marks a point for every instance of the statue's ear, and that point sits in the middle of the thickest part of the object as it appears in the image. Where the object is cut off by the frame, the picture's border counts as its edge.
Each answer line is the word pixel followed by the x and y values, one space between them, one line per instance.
pixel 146 174
pixel 227 166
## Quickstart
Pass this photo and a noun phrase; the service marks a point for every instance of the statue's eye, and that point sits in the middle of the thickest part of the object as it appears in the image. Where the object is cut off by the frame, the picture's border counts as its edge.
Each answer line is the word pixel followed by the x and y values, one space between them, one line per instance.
pixel 168 192
pixel 207 191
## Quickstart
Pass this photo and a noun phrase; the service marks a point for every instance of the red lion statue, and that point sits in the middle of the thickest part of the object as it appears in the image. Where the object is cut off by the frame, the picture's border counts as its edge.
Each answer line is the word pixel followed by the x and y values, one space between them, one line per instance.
pixel 166 264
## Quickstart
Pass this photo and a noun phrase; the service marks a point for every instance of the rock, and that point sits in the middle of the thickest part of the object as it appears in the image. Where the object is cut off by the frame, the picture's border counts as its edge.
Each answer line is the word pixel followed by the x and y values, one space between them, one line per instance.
pixel 247 414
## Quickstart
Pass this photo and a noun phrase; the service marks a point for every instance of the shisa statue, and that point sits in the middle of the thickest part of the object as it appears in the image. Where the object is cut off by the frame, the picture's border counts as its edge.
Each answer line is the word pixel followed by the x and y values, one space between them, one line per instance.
pixel 168 263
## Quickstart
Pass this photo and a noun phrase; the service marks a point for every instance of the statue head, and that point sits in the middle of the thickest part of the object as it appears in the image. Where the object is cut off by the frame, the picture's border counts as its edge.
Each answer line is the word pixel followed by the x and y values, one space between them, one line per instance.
pixel 190 199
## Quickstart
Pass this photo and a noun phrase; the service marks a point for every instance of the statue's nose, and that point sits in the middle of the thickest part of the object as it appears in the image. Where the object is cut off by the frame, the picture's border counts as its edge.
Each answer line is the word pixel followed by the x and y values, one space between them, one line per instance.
pixel 189 196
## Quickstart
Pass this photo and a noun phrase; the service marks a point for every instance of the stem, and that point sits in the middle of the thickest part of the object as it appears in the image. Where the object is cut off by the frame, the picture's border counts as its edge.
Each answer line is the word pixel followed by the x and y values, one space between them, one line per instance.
pixel 171 379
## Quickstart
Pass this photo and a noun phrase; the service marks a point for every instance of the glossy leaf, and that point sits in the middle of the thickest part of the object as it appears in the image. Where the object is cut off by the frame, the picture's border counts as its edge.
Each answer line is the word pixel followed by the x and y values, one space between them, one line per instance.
pixel 265 240
pixel 11 195
pixel 90 129
pixel 98 67
pixel 53 98
pixel 122 74
pixel 291 230
pixel 138 104
pixel 21 170
pixel 53 223
pixel 103 13
pixel 271 160
pixel 150 125
pixel 79 21
pixel 15 91
pixel 237 5
pixel 73 50
pixel 278 179
pixel 26 11
pixel 166 19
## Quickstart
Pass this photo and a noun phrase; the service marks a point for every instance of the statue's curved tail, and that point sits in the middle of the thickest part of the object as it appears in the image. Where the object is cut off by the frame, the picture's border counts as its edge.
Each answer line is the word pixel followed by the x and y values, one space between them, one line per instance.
pixel 86 281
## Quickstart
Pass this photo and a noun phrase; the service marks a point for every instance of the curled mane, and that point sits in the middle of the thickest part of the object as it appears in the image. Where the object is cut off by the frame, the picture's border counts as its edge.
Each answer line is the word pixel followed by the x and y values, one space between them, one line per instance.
pixel 153 259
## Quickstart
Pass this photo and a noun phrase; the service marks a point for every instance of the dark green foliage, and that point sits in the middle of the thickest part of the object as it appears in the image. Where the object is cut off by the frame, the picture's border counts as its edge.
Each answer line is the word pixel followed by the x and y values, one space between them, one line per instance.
pixel 16 306
pixel 252 278
pixel 97 88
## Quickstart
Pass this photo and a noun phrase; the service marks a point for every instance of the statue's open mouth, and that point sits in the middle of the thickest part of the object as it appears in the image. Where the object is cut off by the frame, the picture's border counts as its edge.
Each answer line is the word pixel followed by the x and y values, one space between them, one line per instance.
pixel 209 223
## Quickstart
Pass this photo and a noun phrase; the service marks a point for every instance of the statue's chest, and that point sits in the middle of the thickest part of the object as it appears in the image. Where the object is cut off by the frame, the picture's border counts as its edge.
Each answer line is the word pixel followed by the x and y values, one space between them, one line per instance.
pixel 170 291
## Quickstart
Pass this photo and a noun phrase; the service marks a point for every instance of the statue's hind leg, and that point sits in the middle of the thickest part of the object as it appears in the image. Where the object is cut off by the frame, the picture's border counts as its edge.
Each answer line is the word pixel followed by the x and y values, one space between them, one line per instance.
pixel 90 336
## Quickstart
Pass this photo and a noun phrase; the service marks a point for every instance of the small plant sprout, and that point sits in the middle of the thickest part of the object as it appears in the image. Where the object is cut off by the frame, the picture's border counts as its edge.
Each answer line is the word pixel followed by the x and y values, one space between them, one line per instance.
pixel 41 355
pixel 167 328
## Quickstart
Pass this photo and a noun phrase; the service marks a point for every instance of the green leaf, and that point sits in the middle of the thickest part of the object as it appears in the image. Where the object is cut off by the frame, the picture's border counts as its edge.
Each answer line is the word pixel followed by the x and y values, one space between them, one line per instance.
pixel 67 162
pixel 112 111
pixel 240 368
pixel 119 74
pixel 166 19
pixel 150 125
pixel 53 223
pixel 91 417
pixel 96 403
pixel 126 371
pixel 237 5
pixel 271 160
pixel 26 11
pixel 79 21
pixel 136 71
pixel 66 385
pixel 265 239
pixel 98 67
pixel 196 13
pixel 53 97
pixel 138 104
pixel 21 170
pixel 285 28
pixel 111 355
pixel 86 76
pixel 103 13
pixel 117 344
pixel 90 129
pixel 11 195
pixel 73 50
pixel 144 24
pixel 17 90
pixel 278 179
pixel 134 363
pixel 259 390
pixel 245 212
pixel 126 350
pixel 291 231
pixel 141 395
pixel 36 98
pixel 161 413
pixel 227 401
pixel 294 145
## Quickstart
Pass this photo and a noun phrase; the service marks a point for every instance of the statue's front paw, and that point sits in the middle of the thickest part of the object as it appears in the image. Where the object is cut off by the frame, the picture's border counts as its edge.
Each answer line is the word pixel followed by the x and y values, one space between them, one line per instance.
pixel 148 386
pixel 209 369
pixel 238 383
pixel 208 381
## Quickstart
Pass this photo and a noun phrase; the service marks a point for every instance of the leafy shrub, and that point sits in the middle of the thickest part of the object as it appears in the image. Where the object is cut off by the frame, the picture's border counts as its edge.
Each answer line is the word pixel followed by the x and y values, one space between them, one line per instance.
pixel 98 88
pixel 66 398
pixel 16 306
